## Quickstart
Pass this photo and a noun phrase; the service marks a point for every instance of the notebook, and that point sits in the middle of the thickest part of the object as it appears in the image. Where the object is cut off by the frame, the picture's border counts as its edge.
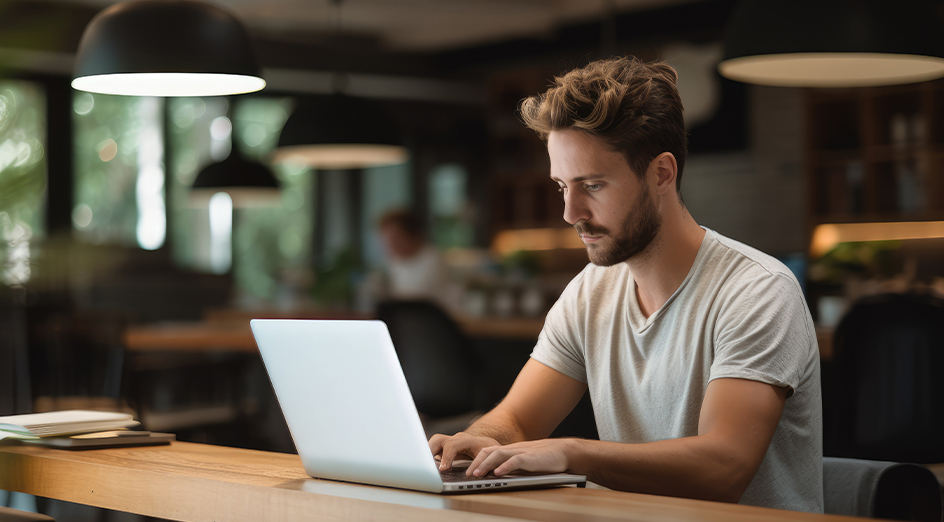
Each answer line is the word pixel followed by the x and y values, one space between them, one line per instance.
pixel 57 423
pixel 104 439
pixel 350 412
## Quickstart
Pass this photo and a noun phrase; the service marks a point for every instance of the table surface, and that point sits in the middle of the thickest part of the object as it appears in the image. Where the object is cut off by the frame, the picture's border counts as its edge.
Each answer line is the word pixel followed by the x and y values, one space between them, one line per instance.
pixel 197 482
pixel 231 334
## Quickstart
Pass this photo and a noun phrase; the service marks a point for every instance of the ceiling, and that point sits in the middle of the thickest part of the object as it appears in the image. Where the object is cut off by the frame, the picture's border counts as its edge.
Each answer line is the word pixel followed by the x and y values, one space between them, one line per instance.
pixel 421 25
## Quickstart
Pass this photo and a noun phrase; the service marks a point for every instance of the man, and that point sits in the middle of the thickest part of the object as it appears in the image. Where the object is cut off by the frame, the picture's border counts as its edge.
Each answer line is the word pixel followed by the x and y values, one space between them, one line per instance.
pixel 698 351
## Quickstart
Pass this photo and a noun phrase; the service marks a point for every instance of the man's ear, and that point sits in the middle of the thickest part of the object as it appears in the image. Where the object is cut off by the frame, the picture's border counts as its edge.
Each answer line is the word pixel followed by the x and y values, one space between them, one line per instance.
pixel 663 169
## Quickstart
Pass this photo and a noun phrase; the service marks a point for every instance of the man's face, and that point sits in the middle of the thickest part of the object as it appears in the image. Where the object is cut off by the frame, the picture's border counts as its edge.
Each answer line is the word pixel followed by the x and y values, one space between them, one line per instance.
pixel 611 208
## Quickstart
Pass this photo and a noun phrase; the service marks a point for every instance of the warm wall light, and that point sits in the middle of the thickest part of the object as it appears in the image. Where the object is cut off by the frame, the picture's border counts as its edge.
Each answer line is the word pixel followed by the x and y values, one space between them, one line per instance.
pixel 826 237
pixel 166 48
pixel 510 241
pixel 833 43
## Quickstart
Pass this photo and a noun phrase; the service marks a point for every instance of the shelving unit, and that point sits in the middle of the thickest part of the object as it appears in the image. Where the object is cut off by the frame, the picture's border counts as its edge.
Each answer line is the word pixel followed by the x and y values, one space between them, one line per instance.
pixel 522 194
pixel 876 154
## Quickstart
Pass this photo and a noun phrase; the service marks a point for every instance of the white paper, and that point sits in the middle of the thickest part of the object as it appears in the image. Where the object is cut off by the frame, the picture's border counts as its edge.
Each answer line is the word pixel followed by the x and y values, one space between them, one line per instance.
pixel 16 436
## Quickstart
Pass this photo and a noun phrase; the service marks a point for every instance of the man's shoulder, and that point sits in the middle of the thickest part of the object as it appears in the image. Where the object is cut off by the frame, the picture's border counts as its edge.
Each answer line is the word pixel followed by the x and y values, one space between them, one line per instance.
pixel 745 264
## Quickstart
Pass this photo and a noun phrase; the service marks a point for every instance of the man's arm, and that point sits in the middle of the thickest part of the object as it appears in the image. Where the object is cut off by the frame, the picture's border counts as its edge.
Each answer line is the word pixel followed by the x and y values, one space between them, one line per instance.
pixel 737 422
pixel 538 401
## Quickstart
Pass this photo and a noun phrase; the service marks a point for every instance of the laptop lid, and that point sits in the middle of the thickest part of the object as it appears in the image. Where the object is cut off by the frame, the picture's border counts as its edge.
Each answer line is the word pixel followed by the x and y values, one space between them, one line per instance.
pixel 346 402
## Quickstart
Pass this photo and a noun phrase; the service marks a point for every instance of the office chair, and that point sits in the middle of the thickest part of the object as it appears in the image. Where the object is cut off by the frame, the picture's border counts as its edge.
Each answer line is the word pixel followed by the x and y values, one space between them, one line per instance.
pixel 15 396
pixel 438 361
pixel 883 397
pixel 874 489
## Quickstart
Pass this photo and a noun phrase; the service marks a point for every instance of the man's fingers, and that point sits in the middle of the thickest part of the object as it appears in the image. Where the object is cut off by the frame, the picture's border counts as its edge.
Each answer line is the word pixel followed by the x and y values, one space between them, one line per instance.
pixel 479 459
pixel 436 443
pixel 449 452
pixel 515 463
pixel 448 448
pixel 494 460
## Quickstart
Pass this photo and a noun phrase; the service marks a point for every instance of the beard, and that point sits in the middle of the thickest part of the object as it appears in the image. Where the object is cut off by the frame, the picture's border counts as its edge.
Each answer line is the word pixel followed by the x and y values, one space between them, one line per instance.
pixel 636 232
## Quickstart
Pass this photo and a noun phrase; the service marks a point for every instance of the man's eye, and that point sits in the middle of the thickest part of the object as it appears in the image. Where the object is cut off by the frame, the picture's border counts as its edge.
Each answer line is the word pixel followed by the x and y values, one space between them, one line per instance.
pixel 593 187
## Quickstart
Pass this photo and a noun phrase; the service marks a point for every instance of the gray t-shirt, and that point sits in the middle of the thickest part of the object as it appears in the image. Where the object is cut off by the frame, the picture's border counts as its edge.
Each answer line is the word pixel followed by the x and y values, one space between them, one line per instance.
pixel 739 313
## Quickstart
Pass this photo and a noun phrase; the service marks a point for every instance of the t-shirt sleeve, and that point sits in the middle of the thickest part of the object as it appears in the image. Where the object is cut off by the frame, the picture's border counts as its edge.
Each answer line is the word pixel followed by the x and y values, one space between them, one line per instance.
pixel 559 345
pixel 765 333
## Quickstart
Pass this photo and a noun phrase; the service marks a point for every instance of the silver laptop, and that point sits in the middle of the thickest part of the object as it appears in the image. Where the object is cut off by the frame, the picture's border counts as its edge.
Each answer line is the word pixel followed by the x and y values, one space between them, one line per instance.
pixel 351 414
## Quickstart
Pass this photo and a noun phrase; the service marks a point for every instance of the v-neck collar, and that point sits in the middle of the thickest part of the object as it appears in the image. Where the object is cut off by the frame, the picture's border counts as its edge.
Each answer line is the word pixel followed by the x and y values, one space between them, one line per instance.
pixel 639 322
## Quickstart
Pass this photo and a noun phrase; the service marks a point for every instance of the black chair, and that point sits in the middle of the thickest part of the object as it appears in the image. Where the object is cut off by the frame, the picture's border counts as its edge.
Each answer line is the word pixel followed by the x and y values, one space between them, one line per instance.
pixel 438 361
pixel 883 395
pixel 15 396
pixel 874 489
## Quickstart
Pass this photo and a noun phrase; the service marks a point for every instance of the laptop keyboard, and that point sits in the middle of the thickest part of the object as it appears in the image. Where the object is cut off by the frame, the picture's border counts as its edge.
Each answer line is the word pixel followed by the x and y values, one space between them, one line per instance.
pixel 458 475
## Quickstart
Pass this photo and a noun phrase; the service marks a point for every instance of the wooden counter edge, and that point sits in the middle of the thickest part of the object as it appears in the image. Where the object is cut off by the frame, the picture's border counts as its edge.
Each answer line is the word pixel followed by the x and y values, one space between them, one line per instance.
pixel 177 496
pixel 209 483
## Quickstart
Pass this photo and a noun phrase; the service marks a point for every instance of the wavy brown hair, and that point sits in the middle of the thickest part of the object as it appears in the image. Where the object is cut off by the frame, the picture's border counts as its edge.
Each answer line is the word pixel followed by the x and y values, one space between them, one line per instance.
pixel 632 106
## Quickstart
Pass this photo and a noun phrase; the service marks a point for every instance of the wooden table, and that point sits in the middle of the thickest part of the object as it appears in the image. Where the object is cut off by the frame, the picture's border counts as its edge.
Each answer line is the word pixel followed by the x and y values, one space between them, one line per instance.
pixel 196 336
pixel 197 482
pixel 235 335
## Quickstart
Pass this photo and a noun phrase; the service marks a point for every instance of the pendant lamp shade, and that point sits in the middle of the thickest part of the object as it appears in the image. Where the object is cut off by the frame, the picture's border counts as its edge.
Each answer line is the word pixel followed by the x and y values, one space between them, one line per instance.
pixel 166 48
pixel 340 132
pixel 249 184
pixel 834 43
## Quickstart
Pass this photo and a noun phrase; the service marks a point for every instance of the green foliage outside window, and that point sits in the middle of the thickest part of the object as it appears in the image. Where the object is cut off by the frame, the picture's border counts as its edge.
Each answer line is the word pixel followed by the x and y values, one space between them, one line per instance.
pixel 114 136
pixel 22 176
pixel 272 246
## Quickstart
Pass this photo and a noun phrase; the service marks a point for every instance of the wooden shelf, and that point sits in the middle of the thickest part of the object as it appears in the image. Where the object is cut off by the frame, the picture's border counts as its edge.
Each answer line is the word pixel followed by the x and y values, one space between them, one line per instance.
pixel 876 154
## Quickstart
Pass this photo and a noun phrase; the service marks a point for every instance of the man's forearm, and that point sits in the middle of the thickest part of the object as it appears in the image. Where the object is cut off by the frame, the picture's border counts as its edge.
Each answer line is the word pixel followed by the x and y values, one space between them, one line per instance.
pixel 693 467
pixel 498 424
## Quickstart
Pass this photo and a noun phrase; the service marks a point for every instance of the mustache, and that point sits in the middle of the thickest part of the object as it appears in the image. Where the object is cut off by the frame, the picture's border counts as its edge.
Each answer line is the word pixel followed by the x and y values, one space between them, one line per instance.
pixel 585 229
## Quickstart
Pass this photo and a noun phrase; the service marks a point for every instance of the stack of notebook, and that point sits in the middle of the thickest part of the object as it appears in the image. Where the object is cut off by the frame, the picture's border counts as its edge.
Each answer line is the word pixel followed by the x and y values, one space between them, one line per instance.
pixel 57 423
pixel 78 429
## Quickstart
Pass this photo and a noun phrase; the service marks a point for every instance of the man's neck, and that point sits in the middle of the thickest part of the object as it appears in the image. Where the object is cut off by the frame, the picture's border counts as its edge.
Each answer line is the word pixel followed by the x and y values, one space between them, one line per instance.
pixel 661 269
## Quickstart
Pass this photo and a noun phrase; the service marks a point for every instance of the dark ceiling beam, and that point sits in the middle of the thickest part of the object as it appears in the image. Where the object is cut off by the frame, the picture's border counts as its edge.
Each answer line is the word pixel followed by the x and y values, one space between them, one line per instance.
pixel 640 31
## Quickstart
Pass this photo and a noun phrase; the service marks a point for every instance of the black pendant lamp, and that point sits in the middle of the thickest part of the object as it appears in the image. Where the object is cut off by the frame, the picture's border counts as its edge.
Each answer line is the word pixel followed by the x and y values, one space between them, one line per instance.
pixel 340 132
pixel 834 43
pixel 248 183
pixel 166 48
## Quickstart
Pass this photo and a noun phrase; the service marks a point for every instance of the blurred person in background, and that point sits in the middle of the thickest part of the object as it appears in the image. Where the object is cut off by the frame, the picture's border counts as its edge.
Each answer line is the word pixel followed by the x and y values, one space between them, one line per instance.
pixel 415 270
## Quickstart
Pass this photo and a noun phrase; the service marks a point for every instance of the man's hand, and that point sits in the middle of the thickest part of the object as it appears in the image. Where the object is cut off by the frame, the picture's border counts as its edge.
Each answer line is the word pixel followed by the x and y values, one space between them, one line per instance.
pixel 544 456
pixel 459 444
pixel 538 401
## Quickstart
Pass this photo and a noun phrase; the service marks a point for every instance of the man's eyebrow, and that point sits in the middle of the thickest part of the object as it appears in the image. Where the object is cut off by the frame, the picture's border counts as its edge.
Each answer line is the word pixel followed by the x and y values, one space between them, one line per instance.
pixel 578 179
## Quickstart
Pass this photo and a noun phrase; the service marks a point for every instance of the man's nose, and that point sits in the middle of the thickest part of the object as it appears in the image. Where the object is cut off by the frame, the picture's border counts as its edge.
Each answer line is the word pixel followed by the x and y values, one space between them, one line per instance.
pixel 575 208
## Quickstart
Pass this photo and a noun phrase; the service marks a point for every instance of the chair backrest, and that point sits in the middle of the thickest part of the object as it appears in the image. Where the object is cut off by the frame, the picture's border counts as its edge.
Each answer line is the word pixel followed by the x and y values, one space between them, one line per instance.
pixel 875 489
pixel 883 396
pixel 439 364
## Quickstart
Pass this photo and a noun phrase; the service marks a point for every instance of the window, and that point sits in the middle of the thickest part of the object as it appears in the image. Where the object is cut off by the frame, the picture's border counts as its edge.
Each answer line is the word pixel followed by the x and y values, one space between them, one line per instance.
pixel 119 170
pixel 22 177
pixel 451 225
